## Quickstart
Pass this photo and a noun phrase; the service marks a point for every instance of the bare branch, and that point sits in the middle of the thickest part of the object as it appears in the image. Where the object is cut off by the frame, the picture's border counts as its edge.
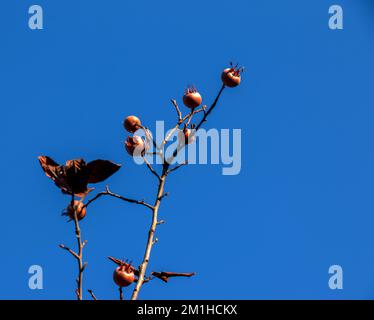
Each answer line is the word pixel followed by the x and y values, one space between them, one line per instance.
pixel 160 192
pixel 69 250
pixel 193 112
pixel 150 168
pixel 166 194
pixel 206 114
pixel 170 134
pixel 179 113
pixel 78 256
pixel 180 121
pixel 107 192
pixel 150 240
pixel 149 137
pixel 177 167
pixel 92 294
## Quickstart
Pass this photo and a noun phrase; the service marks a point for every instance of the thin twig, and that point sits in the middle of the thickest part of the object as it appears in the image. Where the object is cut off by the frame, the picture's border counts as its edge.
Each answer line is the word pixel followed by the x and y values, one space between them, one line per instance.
pixel 170 134
pixel 107 192
pixel 206 114
pixel 150 168
pixel 166 194
pixel 180 121
pixel 149 137
pixel 120 293
pixel 69 250
pixel 92 294
pixel 177 167
pixel 179 113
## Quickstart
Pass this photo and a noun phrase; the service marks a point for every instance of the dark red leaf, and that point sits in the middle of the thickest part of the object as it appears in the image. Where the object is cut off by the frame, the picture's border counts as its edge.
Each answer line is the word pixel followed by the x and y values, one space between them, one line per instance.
pixel 99 170
pixel 54 171
pixel 76 175
pixel 48 165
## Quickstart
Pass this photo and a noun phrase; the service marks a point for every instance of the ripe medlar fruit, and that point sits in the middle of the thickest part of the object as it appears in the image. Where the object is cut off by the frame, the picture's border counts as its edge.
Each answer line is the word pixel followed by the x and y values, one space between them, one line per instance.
pixel 185 136
pixel 124 275
pixel 231 77
pixel 79 208
pixel 135 146
pixel 132 124
pixel 192 98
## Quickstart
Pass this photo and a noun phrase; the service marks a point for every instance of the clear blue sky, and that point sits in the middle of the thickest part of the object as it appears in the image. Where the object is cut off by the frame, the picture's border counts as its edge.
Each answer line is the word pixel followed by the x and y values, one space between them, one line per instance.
pixel 303 200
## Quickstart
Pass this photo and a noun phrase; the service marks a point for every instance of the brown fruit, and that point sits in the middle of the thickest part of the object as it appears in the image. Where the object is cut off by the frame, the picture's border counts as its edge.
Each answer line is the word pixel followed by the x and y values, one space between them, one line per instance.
pixel 123 276
pixel 135 146
pixel 192 98
pixel 185 136
pixel 132 124
pixel 231 77
pixel 79 208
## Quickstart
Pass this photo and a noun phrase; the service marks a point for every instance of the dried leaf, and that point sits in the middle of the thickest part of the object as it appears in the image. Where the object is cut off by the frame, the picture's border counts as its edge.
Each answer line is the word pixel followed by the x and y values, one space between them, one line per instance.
pixel 54 171
pixel 74 176
pixel 123 263
pixel 164 276
pixel 48 165
pixel 100 170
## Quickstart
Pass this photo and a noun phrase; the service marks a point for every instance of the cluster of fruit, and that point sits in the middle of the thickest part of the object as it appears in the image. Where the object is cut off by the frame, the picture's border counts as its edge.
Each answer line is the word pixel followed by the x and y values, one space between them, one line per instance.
pixel 192 99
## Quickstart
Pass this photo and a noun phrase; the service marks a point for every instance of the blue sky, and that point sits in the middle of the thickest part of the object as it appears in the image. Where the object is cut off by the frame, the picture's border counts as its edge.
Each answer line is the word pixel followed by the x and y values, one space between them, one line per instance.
pixel 303 200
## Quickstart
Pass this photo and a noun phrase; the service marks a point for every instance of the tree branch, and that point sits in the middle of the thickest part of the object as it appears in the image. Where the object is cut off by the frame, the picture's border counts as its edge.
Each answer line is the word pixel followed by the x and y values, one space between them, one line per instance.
pixel 180 121
pixel 92 294
pixel 151 169
pixel 107 192
pixel 150 240
pixel 177 167
pixel 78 256
pixel 151 233
pixel 179 113
pixel 69 250
pixel 206 114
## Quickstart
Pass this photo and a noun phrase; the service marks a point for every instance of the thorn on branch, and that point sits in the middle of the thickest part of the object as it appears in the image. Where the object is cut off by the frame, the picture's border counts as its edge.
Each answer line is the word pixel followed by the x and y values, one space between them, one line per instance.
pixel 161 222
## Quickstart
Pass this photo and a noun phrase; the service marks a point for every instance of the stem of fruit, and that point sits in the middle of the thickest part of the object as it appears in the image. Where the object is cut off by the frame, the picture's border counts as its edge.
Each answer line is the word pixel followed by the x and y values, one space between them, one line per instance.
pixel 120 293
pixel 151 234
pixel 79 255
